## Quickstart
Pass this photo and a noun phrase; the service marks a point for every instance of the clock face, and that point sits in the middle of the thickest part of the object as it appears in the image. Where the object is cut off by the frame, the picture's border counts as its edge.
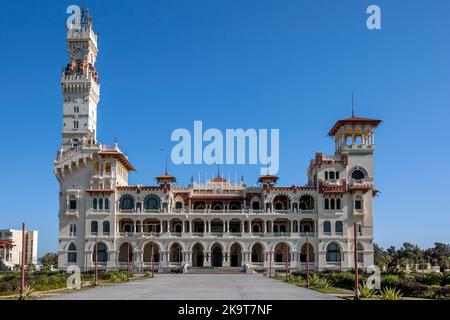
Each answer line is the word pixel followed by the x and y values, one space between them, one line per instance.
pixel 78 53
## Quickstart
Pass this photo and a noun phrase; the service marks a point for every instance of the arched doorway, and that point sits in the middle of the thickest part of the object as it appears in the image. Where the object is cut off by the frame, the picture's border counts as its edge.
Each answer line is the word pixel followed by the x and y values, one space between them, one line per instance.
pixel 197 255
pixel 309 252
pixel 216 255
pixel 235 255
pixel 148 250
pixel 257 253
pixel 281 252
pixel 175 253
pixel 126 249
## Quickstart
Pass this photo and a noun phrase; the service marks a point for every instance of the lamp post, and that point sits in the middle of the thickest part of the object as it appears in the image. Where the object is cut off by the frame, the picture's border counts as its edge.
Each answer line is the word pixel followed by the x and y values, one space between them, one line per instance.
pixel 287 258
pixel 307 263
pixel 153 274
pixel 128 261
pixel 270 263
pixel 22 268
pixel 96 261
pixel 355 256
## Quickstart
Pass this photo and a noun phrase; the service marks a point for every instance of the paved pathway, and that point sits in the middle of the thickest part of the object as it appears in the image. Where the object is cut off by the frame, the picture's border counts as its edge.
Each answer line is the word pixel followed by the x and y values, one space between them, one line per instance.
pixel 198 287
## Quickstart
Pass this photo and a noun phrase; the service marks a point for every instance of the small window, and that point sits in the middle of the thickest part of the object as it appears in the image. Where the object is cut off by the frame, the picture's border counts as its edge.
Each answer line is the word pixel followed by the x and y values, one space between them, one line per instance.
pixel 327 227
pixel 358 203
pixel 337 175
pixel 75 125
pixel 332 204
pixel 94 227
pixel 255 205
pixel 332 175
pixel 73 230
pixel 73 204
pixel 339 227
pixel 106 228
pixel 94 204
pixel 100 204
pixel 327 204
pixel 106 204
pixel 179 205
pixel 338 203
pixel 326 175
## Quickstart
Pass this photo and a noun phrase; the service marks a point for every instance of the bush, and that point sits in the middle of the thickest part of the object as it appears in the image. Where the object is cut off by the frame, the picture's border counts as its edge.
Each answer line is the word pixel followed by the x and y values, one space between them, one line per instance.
pixel 442 293
pixel 344 280
pixel 389 280
pixel 429 279
pixel 412 288
pixel 389 293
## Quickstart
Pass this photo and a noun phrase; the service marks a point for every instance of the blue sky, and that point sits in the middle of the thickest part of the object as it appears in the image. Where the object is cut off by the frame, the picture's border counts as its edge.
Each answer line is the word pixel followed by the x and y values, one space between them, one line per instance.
pixel 290 65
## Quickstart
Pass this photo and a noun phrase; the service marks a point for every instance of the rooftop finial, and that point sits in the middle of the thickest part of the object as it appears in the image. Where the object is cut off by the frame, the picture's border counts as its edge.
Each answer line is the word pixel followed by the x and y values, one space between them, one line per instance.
pixel 353 105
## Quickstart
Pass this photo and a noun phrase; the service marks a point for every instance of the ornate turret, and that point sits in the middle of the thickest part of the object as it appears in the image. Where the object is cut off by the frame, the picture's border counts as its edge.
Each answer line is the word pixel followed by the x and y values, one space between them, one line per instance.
pixel 268 180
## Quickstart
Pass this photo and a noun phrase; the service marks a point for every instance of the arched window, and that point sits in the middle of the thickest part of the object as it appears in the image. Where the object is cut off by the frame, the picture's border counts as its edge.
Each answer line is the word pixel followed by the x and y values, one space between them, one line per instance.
pixel 72 253
pixel 339 227
pixel 338 203
pixel 255 205
pixel 106 204
pixel 126 203
pixel 360 250
pixel 100 204
pixel 327 204
pixel 73 230
pixel 178 205
pixel 279 206
pixel 151 203
pixel 108 167
pixel 327 227
pixel 333 253
pixel 94 204
pixel 94 227
pixel 358 174
pixel 332 204
pixel 102 253
pixel 106 228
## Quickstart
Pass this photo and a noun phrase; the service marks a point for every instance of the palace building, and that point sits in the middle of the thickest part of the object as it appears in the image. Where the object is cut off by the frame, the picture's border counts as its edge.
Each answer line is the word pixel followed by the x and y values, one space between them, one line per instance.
pixel 104 221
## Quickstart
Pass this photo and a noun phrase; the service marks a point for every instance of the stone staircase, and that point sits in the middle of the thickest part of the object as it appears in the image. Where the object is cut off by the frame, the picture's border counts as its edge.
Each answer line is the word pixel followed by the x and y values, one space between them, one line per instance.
pixel 223 270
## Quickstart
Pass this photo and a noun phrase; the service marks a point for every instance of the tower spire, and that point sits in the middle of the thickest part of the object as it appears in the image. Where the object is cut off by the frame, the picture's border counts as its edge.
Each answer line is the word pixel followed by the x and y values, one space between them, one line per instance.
pixel 353 105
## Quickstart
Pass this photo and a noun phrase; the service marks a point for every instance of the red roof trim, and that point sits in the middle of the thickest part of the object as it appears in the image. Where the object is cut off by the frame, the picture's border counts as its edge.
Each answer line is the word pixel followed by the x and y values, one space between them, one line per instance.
pixel 353 120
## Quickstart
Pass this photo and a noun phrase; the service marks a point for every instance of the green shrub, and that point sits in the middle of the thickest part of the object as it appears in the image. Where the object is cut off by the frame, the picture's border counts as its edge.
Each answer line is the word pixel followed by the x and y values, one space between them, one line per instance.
pixel 344 280
pixel 442 293
pixel 324 283
pixel 389 293
pixel 365 291
pixel 429 279
pixel 390 280
pixel 412 288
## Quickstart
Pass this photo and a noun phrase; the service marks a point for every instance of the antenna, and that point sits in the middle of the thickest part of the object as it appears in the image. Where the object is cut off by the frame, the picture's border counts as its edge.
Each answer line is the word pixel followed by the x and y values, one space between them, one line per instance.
pixel 353 105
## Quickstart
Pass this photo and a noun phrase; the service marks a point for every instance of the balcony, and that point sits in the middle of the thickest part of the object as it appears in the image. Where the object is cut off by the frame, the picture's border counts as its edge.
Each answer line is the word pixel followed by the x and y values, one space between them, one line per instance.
pixel 358 213
pixel 72 214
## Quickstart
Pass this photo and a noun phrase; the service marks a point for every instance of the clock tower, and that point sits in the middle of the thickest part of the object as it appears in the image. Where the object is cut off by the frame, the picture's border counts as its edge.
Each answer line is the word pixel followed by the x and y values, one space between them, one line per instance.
pixel 80 85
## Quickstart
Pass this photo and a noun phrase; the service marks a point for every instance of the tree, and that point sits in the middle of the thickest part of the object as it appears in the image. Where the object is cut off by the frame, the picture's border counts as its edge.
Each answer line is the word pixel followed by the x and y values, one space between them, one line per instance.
pixel 49 260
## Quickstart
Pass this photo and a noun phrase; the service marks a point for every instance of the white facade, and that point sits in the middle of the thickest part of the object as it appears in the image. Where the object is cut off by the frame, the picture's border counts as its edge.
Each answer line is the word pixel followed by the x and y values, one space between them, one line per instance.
pixel 205 225
pixel 10 257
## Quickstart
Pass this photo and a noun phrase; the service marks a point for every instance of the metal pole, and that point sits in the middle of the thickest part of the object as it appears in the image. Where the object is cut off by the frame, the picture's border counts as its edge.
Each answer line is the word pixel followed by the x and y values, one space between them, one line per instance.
pixel 128 261
pixel 270 263
pixel 22 269
pixel 153 275
pixel 307 264
pixel 355 254
pixel 287 257
pixel 96 261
